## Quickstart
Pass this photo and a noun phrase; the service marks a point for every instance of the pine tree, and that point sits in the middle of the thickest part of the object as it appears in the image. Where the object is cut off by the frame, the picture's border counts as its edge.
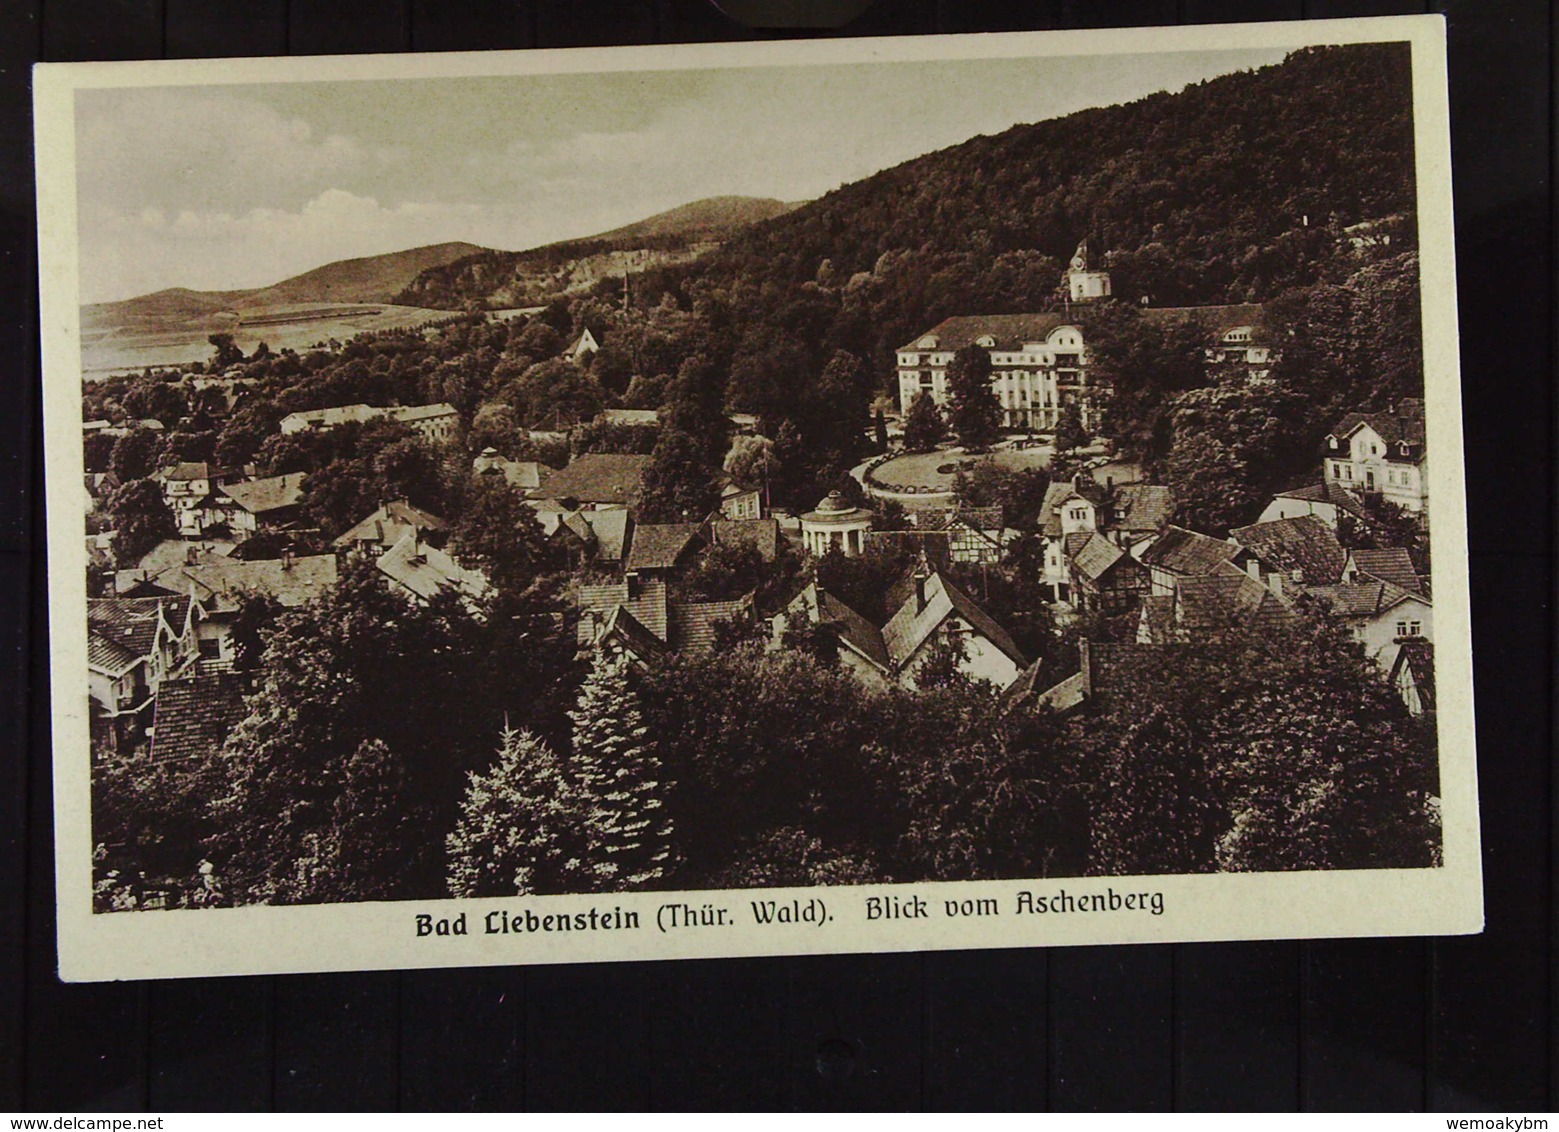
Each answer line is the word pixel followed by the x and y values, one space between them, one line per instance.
pixel 616 768
pixel 518 823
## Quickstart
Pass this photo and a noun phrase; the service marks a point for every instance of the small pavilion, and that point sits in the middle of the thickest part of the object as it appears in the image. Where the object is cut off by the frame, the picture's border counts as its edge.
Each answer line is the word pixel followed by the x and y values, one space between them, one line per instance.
pixel 835 524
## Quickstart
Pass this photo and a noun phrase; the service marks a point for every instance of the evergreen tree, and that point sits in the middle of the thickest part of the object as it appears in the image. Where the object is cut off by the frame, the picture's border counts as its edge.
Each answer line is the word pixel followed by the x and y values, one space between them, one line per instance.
pixel 518 823
pixel 973 410
pixel 923 424
pixel 618 772
pixel 1070 434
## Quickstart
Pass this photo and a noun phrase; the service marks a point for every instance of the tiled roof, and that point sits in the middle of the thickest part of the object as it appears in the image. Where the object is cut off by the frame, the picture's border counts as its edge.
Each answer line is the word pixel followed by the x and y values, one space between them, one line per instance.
pixel 1362 599
pixel 693 623
pixel 388 524
pixel 620 623
pixel 908 629
pixel 1388 564
pixel 1417 656
pixel 1404 425
pixel 221 583
pixel 108 655
pixel 760 533
pixel 335 415
pixel 659 546
pixel 1221 601
pixel 980 519
pixel 409 414
pixel 194 714
pixel 1143 506
pixel 1180 551
pixel 1216 319
pixel 1303 543
pixel 426 571
pixel 855 631
pixel 648 606
pixel 1096 556
pixel 526 475
pixel 598 477
pixel 184 472
pixel 1072 545
pixel 611 532
pixel 1010 330
pixel 132 622
pixel 1332 493
pixel 259 496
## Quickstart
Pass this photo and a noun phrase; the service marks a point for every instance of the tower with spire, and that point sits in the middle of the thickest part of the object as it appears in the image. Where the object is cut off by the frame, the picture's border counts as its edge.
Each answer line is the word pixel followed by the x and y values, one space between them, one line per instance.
pixel 1082 284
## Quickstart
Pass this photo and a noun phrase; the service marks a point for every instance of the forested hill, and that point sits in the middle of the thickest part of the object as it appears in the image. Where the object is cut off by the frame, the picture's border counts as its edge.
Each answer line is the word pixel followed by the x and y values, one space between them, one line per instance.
pixel 1232 190
pixel 496 279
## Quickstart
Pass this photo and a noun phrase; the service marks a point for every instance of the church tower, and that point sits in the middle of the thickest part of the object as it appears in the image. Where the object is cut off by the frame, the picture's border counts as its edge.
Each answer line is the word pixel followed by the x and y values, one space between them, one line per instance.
pixel 1083 285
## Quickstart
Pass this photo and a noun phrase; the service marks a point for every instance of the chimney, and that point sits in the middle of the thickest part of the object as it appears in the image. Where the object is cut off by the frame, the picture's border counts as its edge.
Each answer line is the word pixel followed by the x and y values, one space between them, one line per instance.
pixel 287 558
pixel 189 555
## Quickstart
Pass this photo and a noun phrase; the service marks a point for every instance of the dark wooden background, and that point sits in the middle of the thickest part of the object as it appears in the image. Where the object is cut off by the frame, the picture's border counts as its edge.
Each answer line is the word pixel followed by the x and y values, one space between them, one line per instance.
pixel 1360 1024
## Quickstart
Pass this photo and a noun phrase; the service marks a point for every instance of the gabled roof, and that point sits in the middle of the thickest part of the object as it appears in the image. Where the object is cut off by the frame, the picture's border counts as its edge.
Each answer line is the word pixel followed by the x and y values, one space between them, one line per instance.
pixel 1417 656
pixel 221 584
pixel 909 628
pixel 1180 551
pixel 1215 319
pixel 855 632
pixel 693 623
pixel 388 524
pixel 980 519
pixel 523 474
pixel 133 623
pixel 189 470
pixel 762 534
pixel 1303 543
pixel 1363 599
pixel 194 714
pixel 1406 425
pixel 635 637
pixel 1058 494
pixel 427 572
pixel 1221 601
pixel 659 546
pixel 628 416
pixel 1096 557
pixel 648 604
pixel 410 414
pixel 1143 506
pixel 107 655
pixel 598 477
pixel 611 531
pixel 1327 492
pixel 273 494
pixel 1389 564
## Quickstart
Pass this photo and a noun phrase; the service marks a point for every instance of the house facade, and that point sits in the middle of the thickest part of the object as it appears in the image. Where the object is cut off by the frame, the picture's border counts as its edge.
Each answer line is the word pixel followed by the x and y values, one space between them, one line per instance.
pixel 1381 454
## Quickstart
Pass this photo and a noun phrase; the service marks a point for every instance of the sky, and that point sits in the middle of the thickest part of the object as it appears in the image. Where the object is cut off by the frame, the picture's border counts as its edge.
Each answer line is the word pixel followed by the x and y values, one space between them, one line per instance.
pixel 218 188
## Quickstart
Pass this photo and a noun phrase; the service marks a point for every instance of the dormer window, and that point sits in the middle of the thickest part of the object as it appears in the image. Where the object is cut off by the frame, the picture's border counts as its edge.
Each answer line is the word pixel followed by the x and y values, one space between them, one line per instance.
pixel 929 342
pixel 985 340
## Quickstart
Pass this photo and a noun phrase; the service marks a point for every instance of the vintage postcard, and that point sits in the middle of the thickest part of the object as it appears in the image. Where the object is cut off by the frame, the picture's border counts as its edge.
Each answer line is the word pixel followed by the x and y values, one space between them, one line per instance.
pixel 802 497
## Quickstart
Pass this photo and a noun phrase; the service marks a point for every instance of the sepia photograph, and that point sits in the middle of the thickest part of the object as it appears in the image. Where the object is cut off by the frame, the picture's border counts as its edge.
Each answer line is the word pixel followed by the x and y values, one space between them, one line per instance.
pixel 984 491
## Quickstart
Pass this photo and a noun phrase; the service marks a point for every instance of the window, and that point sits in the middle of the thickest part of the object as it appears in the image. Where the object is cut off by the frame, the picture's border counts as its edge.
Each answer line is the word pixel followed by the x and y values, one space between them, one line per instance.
pixel 1410 628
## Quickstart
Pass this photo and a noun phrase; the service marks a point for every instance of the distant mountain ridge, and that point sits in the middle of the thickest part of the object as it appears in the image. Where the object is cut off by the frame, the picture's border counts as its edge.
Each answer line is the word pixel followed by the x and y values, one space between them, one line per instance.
pixel 367 279
pixel 516 279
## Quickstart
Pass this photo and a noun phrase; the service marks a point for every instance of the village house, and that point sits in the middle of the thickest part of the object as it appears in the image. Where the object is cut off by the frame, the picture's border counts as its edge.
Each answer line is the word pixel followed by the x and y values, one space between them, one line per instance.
pixel 250 506
pixel 1128 515
pixel 974 534
pixel 658 550
pixel 1326 501
pixel 763 535
pixel 1380 615
pixel 1382 454
pixel 1203 607
pixel 193 715
pixel 1105 578
pixel 1179 553
pixel 933 614
pixel 438 423
pixel 526 475
pixel 186 488
pixel 582 347
pixel 221 585
pixel 133 645
pixel 1287 553
pixel 639 616
pixel 422 572
pixel 388 524
pixel 739 500
pixel 596 480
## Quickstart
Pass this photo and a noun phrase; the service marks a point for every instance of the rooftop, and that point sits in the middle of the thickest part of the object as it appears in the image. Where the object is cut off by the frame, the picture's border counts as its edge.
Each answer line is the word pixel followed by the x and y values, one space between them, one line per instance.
pixel 261 496
pixel 194 714
pixel 659 546
pixel 1304 544
pixel 1180 551
pixel 598 477
pixel 428 572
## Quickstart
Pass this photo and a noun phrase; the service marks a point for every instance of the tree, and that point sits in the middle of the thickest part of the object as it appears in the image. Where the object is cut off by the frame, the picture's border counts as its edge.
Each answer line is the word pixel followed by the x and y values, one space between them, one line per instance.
pixel 135 455
pixel 1154 809
pixel 519 825
pixel 924 425
pixel 617 770
pixel 973 409
pixel 498 534
pixel 1070 435
pixel 227 352
pixel 153 398
pixel 880 431
pixel 141 519
pixel 679 484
